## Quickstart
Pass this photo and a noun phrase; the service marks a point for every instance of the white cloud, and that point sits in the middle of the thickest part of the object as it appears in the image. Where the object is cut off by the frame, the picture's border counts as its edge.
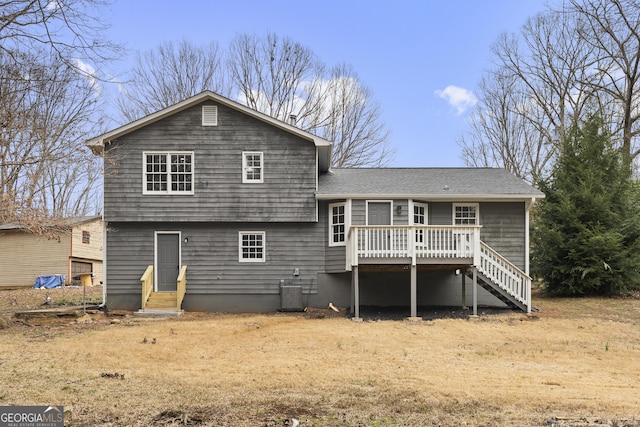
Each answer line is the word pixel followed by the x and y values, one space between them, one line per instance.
pixel 52 6
pixel 459 98
pixel 90 74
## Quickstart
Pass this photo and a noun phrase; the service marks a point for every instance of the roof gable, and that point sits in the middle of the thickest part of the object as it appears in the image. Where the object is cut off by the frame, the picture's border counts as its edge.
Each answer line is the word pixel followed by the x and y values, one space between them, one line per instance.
pixel 323 146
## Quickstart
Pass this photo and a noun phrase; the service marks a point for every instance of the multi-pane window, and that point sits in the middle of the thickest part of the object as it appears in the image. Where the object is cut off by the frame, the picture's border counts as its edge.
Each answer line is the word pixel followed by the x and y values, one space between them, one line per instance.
pixel 419 218
pixel 252 167
pixel 86 237
pixel 168 173
pixel 419 214
pixel 337 224
pixel 465 214
pixel 252 246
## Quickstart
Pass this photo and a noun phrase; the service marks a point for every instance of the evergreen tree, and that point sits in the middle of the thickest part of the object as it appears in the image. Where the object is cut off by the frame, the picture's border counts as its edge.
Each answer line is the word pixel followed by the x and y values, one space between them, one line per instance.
pixel 587 230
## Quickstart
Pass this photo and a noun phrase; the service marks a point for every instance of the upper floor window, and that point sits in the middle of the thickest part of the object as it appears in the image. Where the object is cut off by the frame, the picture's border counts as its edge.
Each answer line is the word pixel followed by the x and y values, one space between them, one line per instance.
pixel 86 237
pixel 252 166
pixel 252 246
pixel 337 224
pixel 168 173
pixel 465 214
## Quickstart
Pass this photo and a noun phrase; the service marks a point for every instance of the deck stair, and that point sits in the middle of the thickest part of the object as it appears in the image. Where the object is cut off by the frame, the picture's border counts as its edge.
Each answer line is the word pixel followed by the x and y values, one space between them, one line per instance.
pixel 503 279
pixel 498 292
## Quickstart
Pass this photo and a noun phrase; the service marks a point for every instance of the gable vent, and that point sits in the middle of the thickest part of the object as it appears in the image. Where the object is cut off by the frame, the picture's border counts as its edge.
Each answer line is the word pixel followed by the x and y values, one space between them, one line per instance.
pixel 209 115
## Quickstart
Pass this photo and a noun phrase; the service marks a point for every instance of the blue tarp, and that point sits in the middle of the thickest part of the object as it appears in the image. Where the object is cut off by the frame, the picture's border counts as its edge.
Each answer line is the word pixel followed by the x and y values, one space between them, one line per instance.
pixel 49 281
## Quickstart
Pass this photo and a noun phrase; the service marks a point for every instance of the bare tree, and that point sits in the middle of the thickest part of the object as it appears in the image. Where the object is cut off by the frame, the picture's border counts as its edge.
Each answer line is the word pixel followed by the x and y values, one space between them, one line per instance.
pixel 70 29
pixel 170 73
pixel 277 76
pixel 274 75
pixel 45 170
pixel 541 85
pixel 504 131
pixel 352 121
pixel 53 53
pixel 612 29
pixel 280 77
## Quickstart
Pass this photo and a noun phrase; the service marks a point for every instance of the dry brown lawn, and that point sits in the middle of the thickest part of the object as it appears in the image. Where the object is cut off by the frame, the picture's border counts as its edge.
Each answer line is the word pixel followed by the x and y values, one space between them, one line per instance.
pixel 576 362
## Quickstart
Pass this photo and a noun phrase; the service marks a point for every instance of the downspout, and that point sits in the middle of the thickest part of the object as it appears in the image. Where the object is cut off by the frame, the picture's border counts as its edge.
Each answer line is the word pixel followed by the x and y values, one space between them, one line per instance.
pixel 104 240
pixel 104 258
pixel 69 261
pixel 317 178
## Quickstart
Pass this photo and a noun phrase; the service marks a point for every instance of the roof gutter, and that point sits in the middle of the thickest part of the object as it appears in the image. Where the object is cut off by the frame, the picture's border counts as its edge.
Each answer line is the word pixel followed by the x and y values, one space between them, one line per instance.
pixel 436 197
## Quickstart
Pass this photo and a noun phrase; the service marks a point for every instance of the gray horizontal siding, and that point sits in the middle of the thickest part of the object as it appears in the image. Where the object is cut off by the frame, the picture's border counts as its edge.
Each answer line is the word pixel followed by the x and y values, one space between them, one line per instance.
pixel 211 256
pixel 503 228
pixel 359 212
pixel 287 194
pixel 503 224
pixel 440 214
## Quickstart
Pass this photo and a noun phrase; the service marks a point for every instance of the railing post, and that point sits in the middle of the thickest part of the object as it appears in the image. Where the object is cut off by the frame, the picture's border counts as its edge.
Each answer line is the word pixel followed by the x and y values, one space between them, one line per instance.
pixel 475 291
pixel 147 285
pixel 412 245
pixel 528 292
pixel 348 250
pixel 476 247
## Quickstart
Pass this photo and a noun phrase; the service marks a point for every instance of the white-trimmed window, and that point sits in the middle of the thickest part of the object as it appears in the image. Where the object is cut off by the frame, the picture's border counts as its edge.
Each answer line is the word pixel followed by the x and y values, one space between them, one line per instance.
pixel 466 214
pixel 209 115
pixel 252 167
pixel 251 246
pixel 86 237
pixel 168 172
pixel 337 224
pixel 420 215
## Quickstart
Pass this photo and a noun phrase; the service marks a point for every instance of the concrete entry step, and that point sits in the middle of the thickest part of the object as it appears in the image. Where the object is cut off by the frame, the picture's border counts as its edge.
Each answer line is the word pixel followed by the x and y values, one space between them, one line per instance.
pixel 151 312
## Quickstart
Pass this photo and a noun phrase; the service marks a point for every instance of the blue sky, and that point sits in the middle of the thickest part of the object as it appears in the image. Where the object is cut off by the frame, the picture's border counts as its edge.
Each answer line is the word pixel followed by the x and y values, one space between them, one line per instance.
pixel 407 52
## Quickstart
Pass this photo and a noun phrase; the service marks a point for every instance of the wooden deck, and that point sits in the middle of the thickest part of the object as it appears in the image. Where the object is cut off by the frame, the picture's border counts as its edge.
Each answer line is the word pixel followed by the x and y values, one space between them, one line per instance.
pixel 440 247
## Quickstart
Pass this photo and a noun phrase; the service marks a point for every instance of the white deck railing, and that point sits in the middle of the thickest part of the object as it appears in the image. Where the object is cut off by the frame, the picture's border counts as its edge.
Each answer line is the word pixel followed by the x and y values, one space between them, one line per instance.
pixel 438 241
pixel 430 241
pixel 505 274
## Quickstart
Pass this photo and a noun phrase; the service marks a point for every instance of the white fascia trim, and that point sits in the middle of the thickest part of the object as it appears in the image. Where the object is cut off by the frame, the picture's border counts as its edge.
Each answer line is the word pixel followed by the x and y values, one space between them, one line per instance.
pixel 436 197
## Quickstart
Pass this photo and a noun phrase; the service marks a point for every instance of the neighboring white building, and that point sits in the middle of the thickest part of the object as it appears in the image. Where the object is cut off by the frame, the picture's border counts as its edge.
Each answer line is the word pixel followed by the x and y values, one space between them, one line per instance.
pixel 24 255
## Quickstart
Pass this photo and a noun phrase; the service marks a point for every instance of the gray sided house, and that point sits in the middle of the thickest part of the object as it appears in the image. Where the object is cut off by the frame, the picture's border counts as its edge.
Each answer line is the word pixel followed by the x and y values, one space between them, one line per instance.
pixel 212 206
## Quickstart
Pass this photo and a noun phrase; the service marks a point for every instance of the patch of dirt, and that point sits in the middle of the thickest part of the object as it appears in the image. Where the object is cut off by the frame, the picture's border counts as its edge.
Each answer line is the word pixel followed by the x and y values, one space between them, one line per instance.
pixel 429 313
pixel 72 308
pixel 59 308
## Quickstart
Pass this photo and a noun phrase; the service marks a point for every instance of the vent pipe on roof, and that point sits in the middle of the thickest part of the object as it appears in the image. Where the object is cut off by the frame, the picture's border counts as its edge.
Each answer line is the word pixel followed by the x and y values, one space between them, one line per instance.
pixel 292 119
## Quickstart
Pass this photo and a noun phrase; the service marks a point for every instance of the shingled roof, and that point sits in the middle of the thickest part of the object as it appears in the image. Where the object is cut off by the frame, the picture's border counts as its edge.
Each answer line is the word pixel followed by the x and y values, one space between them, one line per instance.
pixel 427 183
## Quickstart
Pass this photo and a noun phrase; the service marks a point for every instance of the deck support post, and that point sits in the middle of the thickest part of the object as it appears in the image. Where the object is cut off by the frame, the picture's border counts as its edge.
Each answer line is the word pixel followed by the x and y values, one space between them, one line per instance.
pixel 414 292
pixel 475 291
pixel 463 275
pixel 356 292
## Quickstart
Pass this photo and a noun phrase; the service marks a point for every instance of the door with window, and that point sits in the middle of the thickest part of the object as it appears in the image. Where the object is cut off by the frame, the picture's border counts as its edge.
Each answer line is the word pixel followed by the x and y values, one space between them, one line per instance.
pixel 167 261
pixel 379 213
